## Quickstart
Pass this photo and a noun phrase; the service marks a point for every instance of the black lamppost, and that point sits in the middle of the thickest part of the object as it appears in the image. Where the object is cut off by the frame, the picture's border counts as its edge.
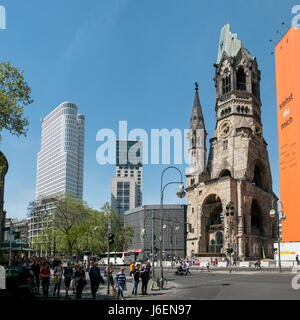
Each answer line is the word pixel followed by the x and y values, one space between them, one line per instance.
pixel 144 234
pixel 229 213
pixel 181 194
pixel 280 217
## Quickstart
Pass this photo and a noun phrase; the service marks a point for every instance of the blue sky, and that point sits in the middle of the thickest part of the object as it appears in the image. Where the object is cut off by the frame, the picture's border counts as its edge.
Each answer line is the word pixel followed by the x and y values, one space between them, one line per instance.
pixel 133 60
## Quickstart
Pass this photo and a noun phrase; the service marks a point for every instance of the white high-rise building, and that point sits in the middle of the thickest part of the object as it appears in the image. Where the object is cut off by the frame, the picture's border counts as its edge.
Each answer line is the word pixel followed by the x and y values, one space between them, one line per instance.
pixel 60 168
pixel 60 161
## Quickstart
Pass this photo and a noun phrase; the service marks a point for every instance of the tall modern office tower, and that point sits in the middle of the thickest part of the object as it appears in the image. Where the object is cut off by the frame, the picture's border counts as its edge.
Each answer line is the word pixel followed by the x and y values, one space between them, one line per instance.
pixel 60 161
pixel 126 192
pixel 60 167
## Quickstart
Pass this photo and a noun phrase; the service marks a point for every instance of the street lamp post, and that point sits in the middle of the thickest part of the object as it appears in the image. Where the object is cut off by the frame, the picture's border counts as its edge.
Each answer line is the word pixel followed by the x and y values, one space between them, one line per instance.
pixel 280 217
pixel 180 194
pixel 229 213
pixel 143 235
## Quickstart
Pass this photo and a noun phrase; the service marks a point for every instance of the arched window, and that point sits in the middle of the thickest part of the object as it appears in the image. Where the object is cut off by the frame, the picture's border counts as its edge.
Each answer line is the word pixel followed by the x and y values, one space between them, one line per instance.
pixel 256 223
pixel 226 82
pixel 240 79
pixel 257 177
pixel 225 173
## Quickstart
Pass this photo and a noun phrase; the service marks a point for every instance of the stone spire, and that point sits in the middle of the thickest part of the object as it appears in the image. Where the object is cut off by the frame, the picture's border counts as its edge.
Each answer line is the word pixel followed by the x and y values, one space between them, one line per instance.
pixel 198 136
pixel 197 120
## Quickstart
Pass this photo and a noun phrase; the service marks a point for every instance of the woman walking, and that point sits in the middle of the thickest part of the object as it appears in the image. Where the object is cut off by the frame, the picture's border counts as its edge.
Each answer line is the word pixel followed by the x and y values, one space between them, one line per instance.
pixel 80 281
pixel 109 274
pixel 58 273
pixel 45 276
pixel 121 282
pixel 68 274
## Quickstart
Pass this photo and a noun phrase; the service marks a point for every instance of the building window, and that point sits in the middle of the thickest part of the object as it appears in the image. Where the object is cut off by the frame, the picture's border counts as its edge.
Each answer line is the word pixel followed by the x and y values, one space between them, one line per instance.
pixel 241 80
pixel 226 82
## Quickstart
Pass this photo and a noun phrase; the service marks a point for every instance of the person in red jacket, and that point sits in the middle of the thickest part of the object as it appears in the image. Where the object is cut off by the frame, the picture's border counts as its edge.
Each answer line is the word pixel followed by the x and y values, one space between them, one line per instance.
pixel 45 277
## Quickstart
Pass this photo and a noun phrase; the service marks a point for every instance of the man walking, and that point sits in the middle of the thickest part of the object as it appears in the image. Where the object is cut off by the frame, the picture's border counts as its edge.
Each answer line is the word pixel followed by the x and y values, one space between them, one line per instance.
pixel 96 278
pixel 145 275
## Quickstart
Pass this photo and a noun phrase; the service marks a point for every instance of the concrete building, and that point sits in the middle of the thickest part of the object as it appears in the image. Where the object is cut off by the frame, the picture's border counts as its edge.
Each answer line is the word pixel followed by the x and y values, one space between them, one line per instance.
pixel 60 168
pixel 237 177
pixel 126 189
pixel 3 172
pixel 174 235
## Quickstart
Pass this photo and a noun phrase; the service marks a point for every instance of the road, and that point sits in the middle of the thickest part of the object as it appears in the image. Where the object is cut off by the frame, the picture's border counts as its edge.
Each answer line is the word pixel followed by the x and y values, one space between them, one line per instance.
pixel 240 285
pixel 216 285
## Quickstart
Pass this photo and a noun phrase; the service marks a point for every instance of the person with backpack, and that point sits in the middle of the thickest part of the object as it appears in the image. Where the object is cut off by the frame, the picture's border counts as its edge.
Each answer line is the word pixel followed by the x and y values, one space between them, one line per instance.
pixel 135 279
pixel 68 274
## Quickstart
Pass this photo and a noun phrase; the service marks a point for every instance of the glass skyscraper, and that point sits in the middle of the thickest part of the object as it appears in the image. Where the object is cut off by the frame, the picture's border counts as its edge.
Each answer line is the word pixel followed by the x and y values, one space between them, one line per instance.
pixel 60 168
pixel 61 159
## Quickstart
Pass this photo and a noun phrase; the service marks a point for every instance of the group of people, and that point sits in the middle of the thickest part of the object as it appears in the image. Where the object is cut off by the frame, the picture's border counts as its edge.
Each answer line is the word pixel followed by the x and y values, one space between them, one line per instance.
pixel 74 277
pixel 137 272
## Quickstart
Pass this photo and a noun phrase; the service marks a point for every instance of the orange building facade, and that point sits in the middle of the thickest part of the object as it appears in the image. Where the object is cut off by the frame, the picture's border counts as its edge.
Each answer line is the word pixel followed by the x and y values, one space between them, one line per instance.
pixel 287 54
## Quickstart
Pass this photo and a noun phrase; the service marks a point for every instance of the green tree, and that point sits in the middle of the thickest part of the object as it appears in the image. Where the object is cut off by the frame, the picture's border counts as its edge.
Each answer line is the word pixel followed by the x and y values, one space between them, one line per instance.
pixel 15 94
pixel 123 232
pixel 71 221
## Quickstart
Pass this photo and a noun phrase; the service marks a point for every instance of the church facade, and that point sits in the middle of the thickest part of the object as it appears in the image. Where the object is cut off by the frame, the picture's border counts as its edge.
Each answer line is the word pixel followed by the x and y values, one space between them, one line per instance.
pixel 230 195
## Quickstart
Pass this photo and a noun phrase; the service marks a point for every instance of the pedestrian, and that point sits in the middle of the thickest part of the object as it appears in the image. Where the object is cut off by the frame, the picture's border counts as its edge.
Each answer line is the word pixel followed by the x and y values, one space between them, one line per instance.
pixel 145 275
pixel 74 284
pixel 131 267
pixel 135 279
pixel 68 274
pixel 80 281
pixel 95 278
pixel 121 282
pixel 45 277
pixel 234 262
pixel 207 265
pixel 109 273
pixel 297 259
pixel 36 268
pixel 188 267
pixel 58 273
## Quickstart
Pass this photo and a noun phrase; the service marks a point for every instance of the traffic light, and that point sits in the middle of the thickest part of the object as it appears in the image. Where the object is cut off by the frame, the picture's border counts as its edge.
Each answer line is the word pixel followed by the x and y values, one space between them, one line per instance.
pixel 111 238
pixel 229 250
pixel 155 250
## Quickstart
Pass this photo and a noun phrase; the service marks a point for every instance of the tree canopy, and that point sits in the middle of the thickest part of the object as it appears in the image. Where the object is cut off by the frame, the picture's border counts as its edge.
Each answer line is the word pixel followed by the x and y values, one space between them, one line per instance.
pixel 15 94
